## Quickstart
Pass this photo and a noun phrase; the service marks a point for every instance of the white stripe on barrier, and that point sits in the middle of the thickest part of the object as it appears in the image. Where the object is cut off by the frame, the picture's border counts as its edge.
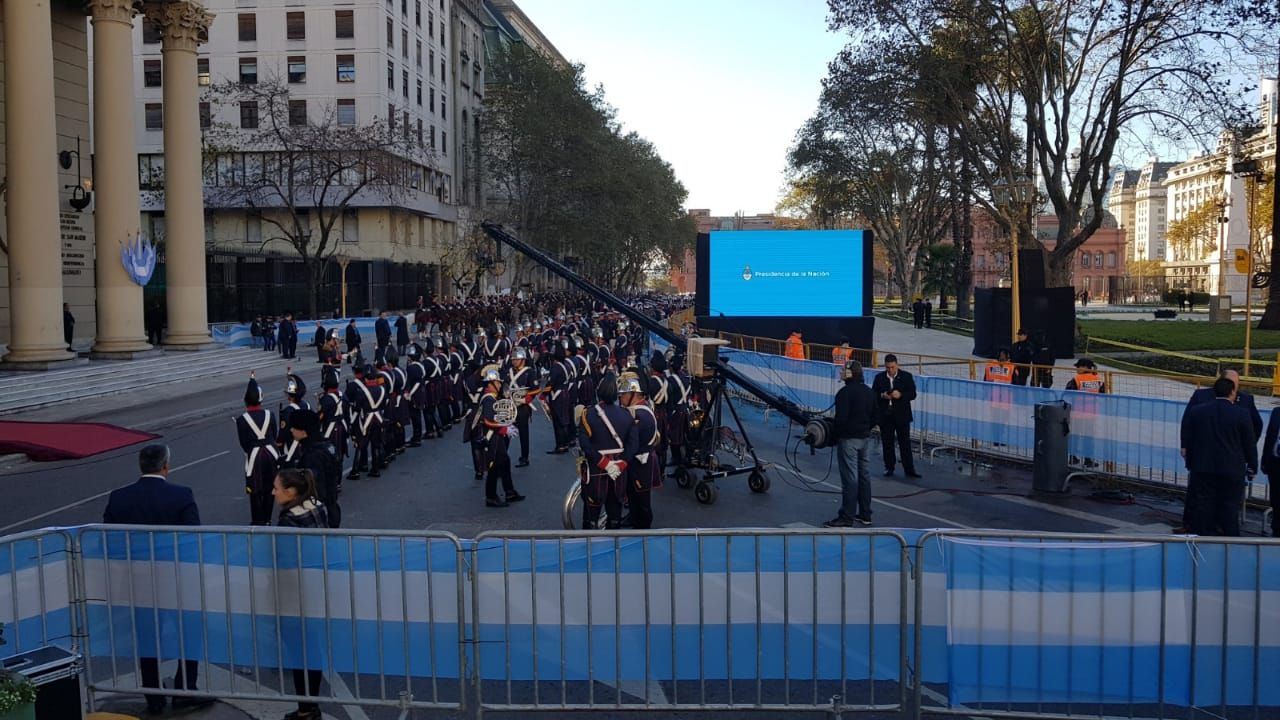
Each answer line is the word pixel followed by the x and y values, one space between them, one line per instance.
pixel 26 601
pixel 985 617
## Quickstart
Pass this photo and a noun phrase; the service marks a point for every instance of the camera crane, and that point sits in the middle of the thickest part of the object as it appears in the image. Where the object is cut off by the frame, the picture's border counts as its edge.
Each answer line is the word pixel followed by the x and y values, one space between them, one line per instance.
pixel 712 374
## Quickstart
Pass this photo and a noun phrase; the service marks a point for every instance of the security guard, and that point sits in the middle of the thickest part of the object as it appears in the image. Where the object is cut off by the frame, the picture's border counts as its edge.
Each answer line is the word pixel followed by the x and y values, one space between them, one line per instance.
pixel 521 384
pixel 1087 378
pixel 840 355
pixel 295 391
pixel 999 370
pixel 608 441
pixel 495 429
pixel 645 473
pixel 261 458
pixel 1023 355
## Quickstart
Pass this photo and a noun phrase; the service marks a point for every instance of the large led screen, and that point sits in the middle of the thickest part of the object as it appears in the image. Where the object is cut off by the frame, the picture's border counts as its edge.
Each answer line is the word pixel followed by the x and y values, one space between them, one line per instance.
pixel 787 273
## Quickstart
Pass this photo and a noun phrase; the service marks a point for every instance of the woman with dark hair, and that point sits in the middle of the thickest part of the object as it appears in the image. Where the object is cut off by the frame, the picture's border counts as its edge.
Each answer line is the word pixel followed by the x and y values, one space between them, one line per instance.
pixel 295 493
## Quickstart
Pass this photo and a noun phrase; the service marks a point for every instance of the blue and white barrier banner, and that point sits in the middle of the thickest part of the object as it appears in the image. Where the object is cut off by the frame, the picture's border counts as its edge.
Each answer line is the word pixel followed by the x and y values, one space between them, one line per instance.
pixel 690 607
pixel 35 592
pixel 1113 623
pixel 379 605
pixel 239 335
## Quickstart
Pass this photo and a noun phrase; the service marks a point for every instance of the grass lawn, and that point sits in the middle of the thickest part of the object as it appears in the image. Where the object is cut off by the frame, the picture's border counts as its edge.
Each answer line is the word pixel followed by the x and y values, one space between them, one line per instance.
pixel 1179 334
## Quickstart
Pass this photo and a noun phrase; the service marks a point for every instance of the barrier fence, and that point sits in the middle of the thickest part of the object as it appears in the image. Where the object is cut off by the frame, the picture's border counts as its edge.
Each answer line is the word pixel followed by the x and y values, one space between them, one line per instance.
pixel 1135 438
pixel 909 623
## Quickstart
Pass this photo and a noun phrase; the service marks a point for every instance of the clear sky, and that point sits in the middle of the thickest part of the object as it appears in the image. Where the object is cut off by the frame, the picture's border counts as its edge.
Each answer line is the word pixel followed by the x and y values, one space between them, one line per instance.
pixel 719 86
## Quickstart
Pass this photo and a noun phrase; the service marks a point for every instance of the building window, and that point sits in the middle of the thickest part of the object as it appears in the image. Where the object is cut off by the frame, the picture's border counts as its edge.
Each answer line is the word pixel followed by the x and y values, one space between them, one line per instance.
pixel 404 77
pixel 1111 259
pixel 431 95
pixel 443 103
pixel 150 32
pixel 404 7
pixel 444 142
pixel 298 69
pixel 433 137
pixel 419 92
pixel 391 116
pixel 248 24
pixel 249 71
pixel 206 116
pixel 404 44
pixel 155 116
pixel 253 228
pixel 419 131
pixel 442 32
pixel 1097 259
pixel 1084 259
pixel 346 112
pixel 151 73
pixel 417 12
pixel 431 60
pixel 297 113
pixel 346 68
pixel 419 52
pixel 391 34
pixel 202 72
pixel 249 114
pixel 407 126
pixel 350 226
pixel 391 75
pixel 295 26
pixel 344 23
pixel 441 67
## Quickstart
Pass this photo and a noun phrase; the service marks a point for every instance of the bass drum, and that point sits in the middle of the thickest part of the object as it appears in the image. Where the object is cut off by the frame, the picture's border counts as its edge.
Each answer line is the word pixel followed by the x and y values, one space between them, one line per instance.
pixel 572 513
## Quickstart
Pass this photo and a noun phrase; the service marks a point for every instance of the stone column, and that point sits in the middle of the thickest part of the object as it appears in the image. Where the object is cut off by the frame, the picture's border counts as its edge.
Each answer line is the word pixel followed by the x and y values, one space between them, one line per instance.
pixel 185 25
pixel 35 258
pixel 116 215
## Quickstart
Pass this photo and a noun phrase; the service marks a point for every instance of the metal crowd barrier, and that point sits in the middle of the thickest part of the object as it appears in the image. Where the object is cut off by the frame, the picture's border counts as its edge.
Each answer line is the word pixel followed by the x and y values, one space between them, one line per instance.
pixel 380 614
pixel 909 624
pixel 776 620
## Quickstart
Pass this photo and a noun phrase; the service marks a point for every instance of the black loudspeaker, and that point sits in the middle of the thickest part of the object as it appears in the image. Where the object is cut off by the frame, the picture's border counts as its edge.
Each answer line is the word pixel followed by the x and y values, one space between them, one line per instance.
pixel 1048 310
pixel 1031 269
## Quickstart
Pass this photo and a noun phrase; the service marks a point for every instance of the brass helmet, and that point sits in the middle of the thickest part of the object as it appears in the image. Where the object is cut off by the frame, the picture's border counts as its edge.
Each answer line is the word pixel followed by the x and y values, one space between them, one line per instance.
pixel 491 373
pixel 629 382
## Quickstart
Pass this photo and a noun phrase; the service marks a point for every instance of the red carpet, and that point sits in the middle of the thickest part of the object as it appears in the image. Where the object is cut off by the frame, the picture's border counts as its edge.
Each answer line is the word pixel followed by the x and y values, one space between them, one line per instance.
pixel 45 442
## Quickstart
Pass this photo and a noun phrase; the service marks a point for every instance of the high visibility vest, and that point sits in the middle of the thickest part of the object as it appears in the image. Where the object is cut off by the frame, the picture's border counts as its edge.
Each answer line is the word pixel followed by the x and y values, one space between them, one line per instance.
pixel 841 355
pixel 795 348
pixel 998 372
pixel 1088 382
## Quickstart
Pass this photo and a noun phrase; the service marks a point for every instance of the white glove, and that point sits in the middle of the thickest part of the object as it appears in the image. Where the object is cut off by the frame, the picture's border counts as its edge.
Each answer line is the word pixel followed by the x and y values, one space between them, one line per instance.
pixel 513 432
pixel 613 470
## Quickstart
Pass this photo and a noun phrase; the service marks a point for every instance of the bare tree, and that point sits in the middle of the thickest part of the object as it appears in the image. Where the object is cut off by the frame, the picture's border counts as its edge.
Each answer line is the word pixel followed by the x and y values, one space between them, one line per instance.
pixel 302 167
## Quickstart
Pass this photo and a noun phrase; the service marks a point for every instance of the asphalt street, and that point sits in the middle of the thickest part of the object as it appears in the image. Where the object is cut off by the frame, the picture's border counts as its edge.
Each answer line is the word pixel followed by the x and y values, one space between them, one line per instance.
pixel 432 487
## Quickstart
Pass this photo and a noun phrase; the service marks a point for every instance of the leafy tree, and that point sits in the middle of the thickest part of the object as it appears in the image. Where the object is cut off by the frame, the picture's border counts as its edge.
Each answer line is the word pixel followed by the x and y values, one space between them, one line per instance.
pixel 940 270
pixel 1195 235
pixel 302 174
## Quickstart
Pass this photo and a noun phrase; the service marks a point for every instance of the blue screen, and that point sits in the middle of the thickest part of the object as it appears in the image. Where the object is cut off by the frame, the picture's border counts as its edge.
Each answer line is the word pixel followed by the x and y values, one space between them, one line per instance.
pixel 786 273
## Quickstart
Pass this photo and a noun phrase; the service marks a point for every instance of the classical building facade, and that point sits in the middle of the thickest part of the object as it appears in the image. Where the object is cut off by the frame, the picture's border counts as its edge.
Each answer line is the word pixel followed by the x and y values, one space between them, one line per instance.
pixel 72 218
pixel 1099 267
pixel 684 276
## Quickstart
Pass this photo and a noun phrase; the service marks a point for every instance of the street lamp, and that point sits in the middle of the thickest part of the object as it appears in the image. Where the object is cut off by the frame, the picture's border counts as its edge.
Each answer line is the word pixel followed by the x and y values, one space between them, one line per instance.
pixel 1014 197
pixel 343 262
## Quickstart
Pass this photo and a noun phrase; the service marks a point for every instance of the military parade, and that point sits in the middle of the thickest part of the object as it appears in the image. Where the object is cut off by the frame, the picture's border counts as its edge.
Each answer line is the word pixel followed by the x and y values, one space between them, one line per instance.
pixel 479 371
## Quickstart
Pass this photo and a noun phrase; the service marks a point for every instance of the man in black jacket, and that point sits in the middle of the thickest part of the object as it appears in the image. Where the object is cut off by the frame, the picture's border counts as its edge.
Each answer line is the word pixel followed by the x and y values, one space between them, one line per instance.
pixel 319 456
pixel 1244 401
pixel 895 389
pixel 856 413
pixel 353 341
pixel 382 331
pixel 1221 449
pixel 1022 356
pixel 153 500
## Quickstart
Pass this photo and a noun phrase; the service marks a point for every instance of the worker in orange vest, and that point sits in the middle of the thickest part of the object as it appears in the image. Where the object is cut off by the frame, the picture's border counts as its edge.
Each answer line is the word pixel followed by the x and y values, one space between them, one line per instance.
pixel 1087 378
pixel 1000 370
pixel 840 355
pixel 795 346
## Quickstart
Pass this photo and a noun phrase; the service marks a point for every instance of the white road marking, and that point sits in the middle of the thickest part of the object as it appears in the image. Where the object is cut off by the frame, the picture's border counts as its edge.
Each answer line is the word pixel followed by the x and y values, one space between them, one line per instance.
pixel 99 496
pixel 342 692
pixel 886 503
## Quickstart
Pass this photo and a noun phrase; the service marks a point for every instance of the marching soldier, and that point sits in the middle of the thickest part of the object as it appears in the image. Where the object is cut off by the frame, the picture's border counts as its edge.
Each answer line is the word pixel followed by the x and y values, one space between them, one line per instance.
pixel 561 405
pixel 473 387
pixel 416 393
pixel 351 400
pixel 678 386
pixel 295 391
pixel 319 456
pixel 333 415
pixel 371 397
pixel 494 428
pixel 450 364
pixel 659 388
pixel 645 474
pixel 521 384
pixel 608 440
pixel 257 440
pixel 473 348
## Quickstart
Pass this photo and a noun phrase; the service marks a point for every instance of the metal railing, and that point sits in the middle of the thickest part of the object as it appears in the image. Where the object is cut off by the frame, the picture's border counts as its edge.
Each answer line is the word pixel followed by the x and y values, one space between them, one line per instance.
pixel 909 624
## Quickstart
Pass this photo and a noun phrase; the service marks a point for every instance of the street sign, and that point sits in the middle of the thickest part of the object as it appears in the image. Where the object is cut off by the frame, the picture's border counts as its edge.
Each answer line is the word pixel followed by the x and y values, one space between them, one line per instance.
pixel 1242 260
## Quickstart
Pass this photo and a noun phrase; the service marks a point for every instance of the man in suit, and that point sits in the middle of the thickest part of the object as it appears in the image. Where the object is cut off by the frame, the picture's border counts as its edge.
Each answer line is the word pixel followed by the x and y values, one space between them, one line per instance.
pixel 895 389
pixel 153 500
pixel 382 331
pixel 1221 450
pixel 1244 401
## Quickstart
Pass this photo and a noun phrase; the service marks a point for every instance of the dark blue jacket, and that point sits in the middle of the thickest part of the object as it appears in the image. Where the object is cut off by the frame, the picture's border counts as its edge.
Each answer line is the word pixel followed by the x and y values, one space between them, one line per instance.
pixel 1243 400
pixel 1270 461
pixel 1218 437
pixel 152 500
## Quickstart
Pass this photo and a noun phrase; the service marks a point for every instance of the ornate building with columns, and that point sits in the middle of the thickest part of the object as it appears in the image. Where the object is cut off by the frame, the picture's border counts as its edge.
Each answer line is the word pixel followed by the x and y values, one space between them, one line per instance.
pixel 70 194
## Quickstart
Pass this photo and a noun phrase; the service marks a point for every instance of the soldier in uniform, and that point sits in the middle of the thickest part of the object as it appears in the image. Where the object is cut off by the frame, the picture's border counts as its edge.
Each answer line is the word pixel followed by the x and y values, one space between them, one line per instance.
pixel 608 440
pixel 295 391
pixel 453 383
pixel 415 393
pixel 319 456
pixel 257 440
pixel 521 382
pixel 333 412
pixel 678 386
pixel 561 405
pixel 585 390
pixel 351 396
pixel 400 408
pixel 494 429
pixel 473 390
pixel 645 473
pixel 371 397
pixel 659 389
